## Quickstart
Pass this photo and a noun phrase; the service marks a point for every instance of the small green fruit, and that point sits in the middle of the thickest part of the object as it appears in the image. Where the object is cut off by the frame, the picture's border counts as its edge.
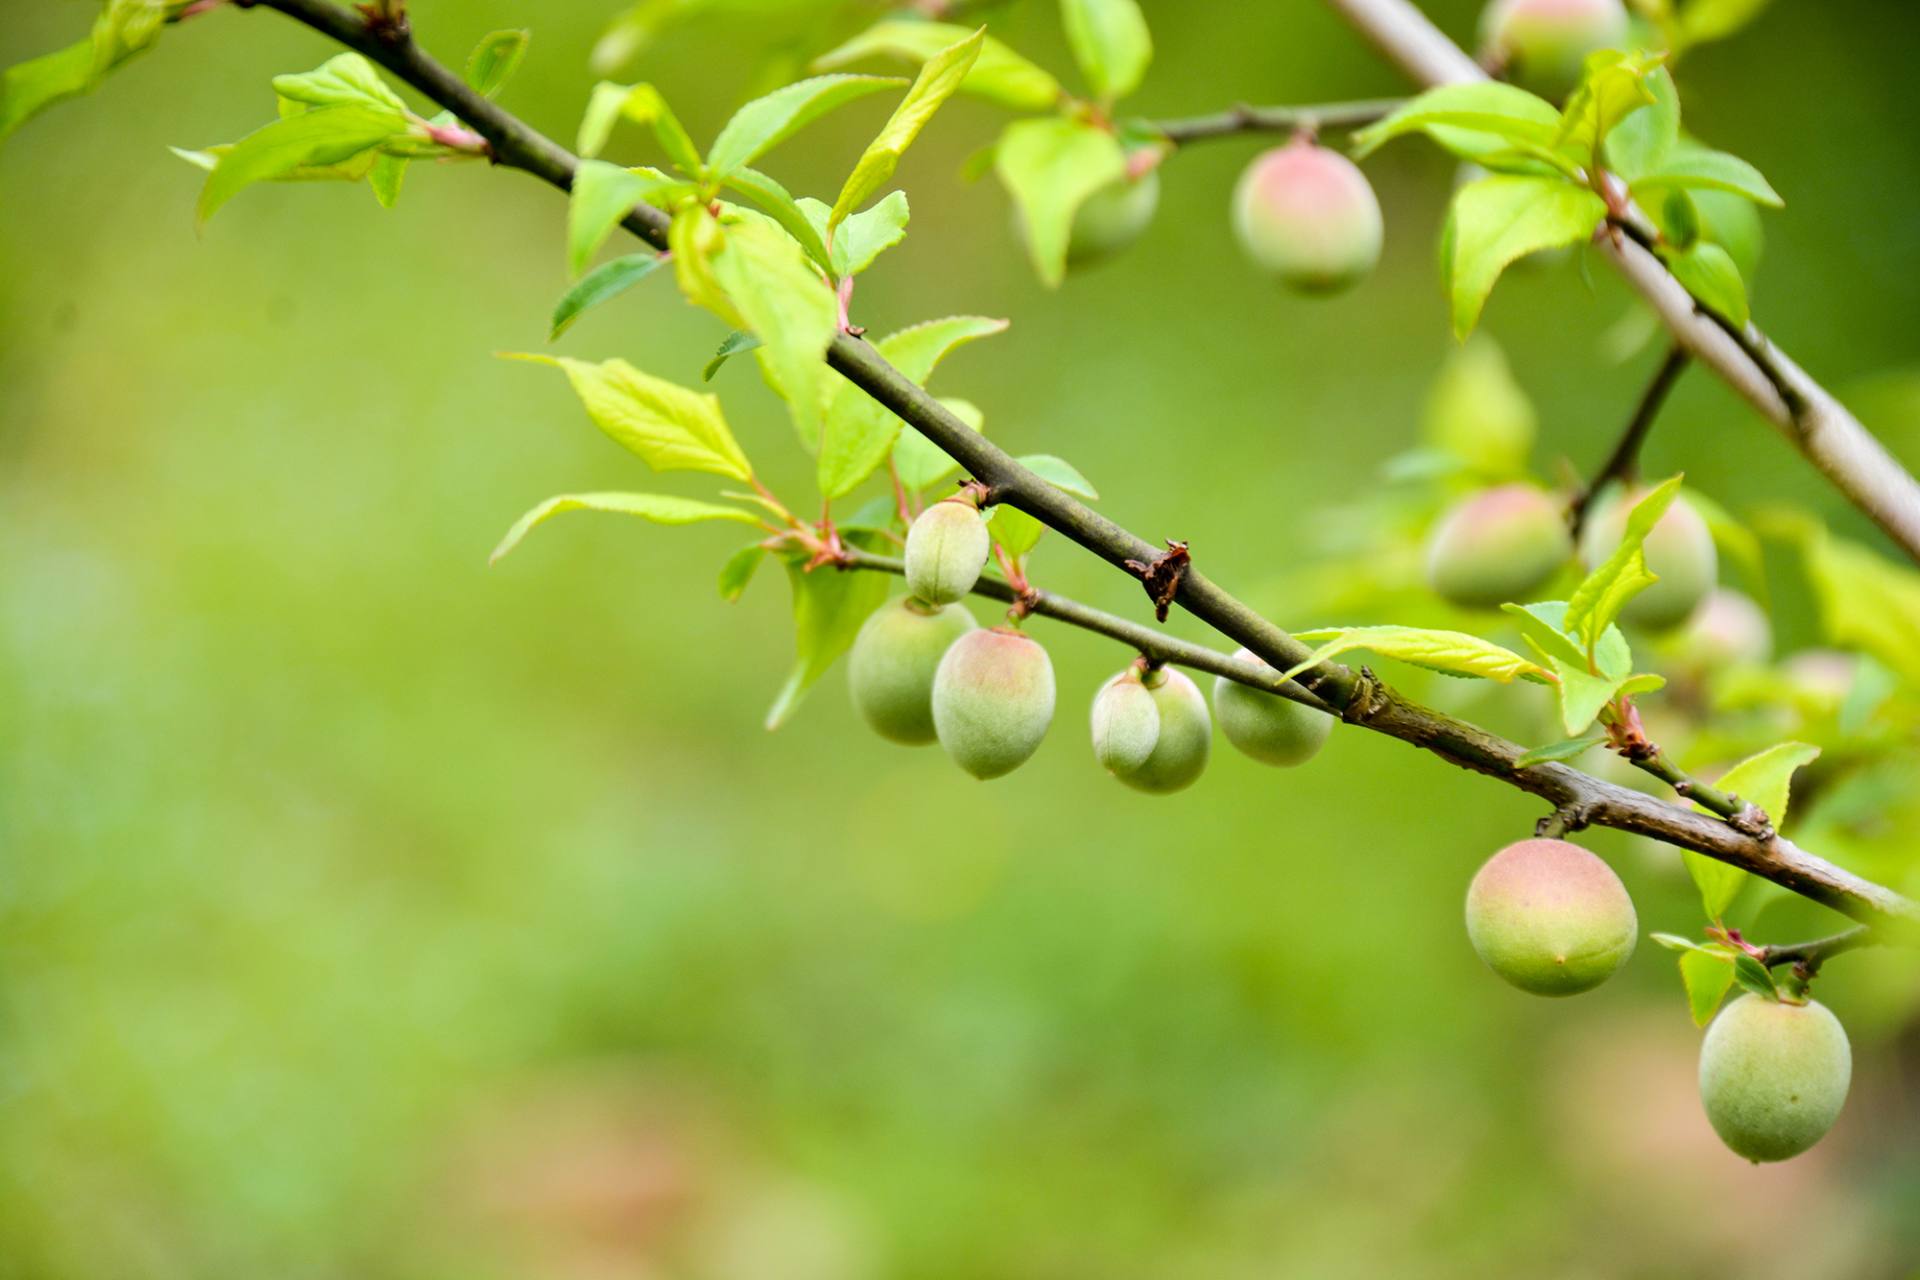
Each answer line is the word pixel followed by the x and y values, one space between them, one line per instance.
pixel 1550 918
pixel 1307 215
pixel 1774 1076
pixel 1181 736
pixel 1728 629
pixel 946 549
pixel 1679 552
pixel 992 700
pixel 1497 546
pixel 1112 218
pixel 1266 726
pixel 1126 723
pixel 890 670
pixel 1544 44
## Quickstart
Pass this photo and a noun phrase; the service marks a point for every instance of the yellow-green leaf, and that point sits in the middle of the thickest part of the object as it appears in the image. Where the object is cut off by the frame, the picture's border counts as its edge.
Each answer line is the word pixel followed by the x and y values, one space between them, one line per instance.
pixel 936 82
pixel 998 75
pixel 670 427
pixel 658 507
pixel 1764 780
pixel 1450 652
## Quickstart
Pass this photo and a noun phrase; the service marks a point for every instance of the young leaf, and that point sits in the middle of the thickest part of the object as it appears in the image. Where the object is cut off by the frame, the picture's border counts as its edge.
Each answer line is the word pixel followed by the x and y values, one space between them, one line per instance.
pixel 386 177
pixel 1566 749
pixel 1499 219
pixel 737 572
pixel 1448 652
pixel 1061 474
pixel 1615 86
pixel 1110 41
pixel 1697 168
pixel 658 507
pixel 1478 414
pixel 608 280
pixel 345 80
pixel 1512 116
pixel 123 29
pixel 775 202
pixel 603 194
pixel 784 302
pixel 859 431
pixel 1704 20
pixel 999 74
pixel 1540 624
pixel 668 426
pixel 321 137
pixel 1641 141
pixel 642 104
pixel 936 82
pixel 732 345
pixel 1764 780
pixel 1598 600
pixel 495 59
pixel 1710 276
pixel 1753 975
pixel 1050 166
pixel 1014 530
pixel 1706 975
pixel 862 237
pixel 921 463
pixel 766 122
pixel 828 607
pixel 694 237
pixel 1582 693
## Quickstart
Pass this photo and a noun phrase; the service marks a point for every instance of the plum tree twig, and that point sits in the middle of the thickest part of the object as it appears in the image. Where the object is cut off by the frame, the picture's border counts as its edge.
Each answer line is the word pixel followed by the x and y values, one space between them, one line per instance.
pixel 1625 458
pixel 1809 956
pixel 1241 118
pixel 1357 696
pixel 1816 423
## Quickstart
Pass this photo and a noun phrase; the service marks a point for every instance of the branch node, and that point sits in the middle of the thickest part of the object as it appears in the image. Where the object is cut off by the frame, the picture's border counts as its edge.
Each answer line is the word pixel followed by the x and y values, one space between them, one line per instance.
pixel 1161 576
pixel 1750 819
pixel 1570 817
pixel 1367 700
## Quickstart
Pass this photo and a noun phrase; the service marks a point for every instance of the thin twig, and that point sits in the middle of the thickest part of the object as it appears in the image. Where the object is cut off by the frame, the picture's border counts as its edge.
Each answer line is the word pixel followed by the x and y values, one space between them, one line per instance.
pixel 1241 118
pixel 1624 461
pixel 1807 957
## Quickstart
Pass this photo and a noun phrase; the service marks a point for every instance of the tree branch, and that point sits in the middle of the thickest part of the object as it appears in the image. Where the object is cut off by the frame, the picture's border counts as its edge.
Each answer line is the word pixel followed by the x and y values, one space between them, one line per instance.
pixel 1624 461
pixel 1241 118
pixel 1360 698
pixel 1807 957
pixel 1813 421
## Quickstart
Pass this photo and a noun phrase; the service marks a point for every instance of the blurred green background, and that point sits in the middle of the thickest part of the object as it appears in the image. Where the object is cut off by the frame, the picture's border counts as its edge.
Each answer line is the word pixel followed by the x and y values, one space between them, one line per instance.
pixel 365 912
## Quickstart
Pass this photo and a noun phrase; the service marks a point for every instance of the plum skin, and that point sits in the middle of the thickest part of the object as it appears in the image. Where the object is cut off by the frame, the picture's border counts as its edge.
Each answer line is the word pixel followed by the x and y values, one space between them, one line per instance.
pixel 1497 546
pixel 993 696
pixel 1550 918
pixel 1182 738
pixel 891 666
pixel 1774 1076
pixel 947 547
pixel 1265 726
pixel 1308 216
pixel 1545 43
pixel 1112 218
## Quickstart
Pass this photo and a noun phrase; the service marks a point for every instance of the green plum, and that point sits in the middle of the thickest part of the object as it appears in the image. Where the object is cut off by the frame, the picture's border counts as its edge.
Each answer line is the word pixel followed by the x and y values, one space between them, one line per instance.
pixel 1543 44
pixel 1679 551
pixel 1497 546
pixel 890 669
pixel 1269 728
pixel 1774 1076
pixel 1550 918
pixel 1181 737
pixel 1308 216
pixel 1112 218
pixel 992 700
pixel 946 549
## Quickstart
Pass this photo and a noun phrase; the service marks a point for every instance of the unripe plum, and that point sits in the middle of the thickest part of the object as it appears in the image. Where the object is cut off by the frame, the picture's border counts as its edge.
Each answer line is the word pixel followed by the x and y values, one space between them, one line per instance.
pixel 1774 1076
pixel 1266 726
pixel 1182 731
pixel 992 700
pixel 1497 546
pixel 1550 918
pixel 890 670
pixel 1112 218
pixel 946 549
pixel 1727 629
pixel 1308 215
pixel 1544 44
pixel 1824 676
pixel 1679 552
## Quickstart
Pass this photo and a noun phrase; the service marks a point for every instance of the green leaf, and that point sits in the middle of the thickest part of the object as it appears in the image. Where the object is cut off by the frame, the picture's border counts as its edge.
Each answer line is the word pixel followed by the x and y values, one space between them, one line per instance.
pixel 828 607
pixel 1698 168
pixel 1110 42
pixel 1540 624
pixel 766 122
pixel 603 195
pixel 321 137
pixel 123 28
pixel 1061 474
pixel 495 59
pixel 783 301
pixel 1624 574
pixel 862 237
pixel 1615 86
pixel 920 462
pixel 1642 140
pixel 1582 693
pixel 642 104
pixel 694 238
pixel 998 74
pixel 1706 975
pixel 1704 20
pixel 738 571
pixel 859 430
pixel 773 200
pixel 345 80
pixel 1566 749
pixel 657 507
pixel 1478 413
pixel 1765 780
pixel 1014 530
pixel 1710 276
pixel 386 177
pixel 670 427
pixel 1512 116
pixel 608 280
pixel 1753 975
pixel 732 345
pixel 1674 942
pixel 1497 220
pixel 1448 652
pixel 936 82
pixel 1050 167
